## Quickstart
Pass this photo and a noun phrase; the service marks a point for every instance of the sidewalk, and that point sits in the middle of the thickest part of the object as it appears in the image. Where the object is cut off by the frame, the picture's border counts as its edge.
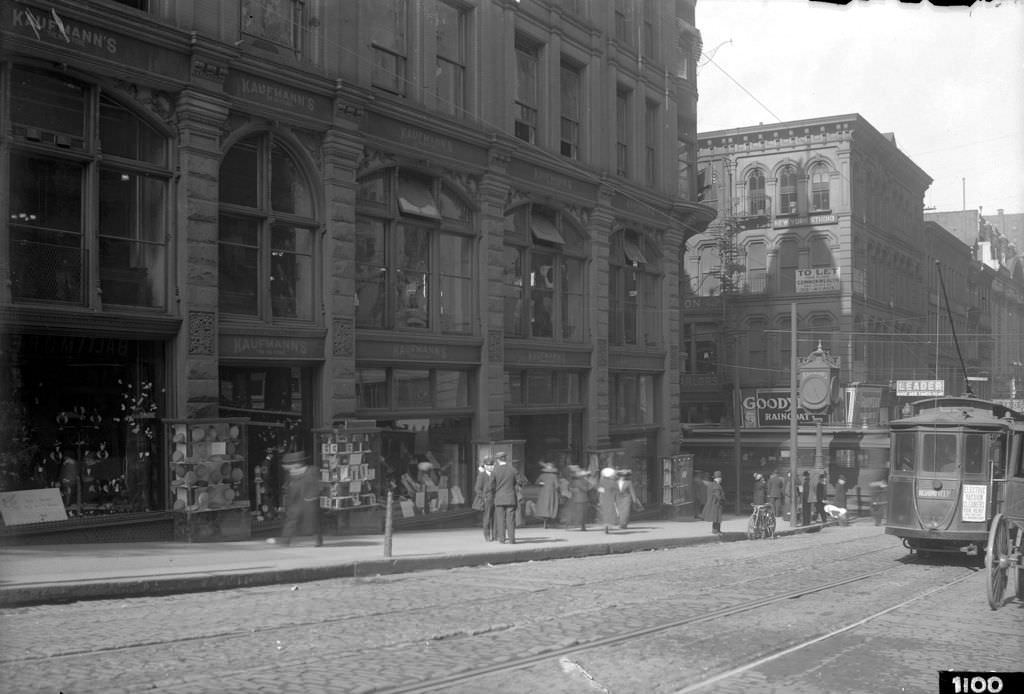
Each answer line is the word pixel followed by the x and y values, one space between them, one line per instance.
pixel 65 573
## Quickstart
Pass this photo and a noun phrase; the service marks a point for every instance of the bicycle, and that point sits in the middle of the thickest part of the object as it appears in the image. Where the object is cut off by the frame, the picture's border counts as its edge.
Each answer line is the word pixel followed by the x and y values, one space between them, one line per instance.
pixel 761 523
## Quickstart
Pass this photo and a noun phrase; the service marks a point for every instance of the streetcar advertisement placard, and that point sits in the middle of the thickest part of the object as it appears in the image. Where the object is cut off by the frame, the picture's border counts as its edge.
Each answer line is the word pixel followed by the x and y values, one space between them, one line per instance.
pixel 973 507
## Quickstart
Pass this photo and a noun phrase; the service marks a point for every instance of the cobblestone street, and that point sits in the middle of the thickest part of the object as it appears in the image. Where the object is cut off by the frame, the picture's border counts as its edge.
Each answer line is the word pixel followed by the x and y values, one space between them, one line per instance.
pixel 383 632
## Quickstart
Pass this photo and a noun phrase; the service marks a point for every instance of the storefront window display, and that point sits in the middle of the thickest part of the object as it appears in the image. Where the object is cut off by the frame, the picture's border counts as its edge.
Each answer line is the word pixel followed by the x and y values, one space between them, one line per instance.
pixel 276 400
pixel 427 463
pixel 82 415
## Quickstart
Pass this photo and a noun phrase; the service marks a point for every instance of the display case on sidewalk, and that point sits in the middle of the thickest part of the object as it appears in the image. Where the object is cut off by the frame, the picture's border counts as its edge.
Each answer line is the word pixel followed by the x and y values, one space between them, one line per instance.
pixel 351 477
pixel 209 479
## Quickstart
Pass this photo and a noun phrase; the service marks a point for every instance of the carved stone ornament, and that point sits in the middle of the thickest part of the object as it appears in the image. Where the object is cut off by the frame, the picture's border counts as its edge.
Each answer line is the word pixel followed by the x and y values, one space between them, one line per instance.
pixel 344 341
pixel 373 160
pixel 469 184
pixel 495 345
pixel 158 102
pixel 201 330
pixel 208 70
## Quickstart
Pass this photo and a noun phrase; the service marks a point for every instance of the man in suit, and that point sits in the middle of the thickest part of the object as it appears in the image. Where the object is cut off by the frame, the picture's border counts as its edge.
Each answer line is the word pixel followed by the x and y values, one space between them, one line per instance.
pixel 484 498
pixel 776 492
pixel 505 485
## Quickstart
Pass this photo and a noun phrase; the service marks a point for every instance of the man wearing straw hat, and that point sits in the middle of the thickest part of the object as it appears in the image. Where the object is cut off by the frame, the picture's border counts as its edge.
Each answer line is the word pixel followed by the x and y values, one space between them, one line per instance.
pixel 302 498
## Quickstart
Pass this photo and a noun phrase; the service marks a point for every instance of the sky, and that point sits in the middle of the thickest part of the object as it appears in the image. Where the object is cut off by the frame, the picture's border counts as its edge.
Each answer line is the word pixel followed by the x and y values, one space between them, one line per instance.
pixel 948 82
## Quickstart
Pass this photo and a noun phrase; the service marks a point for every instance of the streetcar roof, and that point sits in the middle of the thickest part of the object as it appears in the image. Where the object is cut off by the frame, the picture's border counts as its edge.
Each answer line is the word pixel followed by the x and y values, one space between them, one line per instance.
pixel 962 411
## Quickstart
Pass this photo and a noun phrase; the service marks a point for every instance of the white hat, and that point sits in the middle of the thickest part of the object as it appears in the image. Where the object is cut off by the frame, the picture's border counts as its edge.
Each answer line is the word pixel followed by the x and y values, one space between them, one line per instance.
pixel 608 472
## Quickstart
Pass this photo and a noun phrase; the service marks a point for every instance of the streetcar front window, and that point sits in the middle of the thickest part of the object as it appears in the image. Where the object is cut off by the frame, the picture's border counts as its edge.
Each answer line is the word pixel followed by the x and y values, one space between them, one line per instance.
pixel 904 451
pixel 939 454
pixel 974 451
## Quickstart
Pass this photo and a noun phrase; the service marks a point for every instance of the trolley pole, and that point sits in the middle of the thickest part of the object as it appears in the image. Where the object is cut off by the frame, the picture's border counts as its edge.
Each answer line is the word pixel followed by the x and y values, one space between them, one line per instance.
pixel 793 414
pixel 388 524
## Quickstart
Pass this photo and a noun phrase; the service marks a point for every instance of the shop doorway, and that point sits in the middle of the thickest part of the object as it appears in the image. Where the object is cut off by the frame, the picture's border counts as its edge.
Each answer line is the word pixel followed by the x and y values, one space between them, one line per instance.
pixel 278 402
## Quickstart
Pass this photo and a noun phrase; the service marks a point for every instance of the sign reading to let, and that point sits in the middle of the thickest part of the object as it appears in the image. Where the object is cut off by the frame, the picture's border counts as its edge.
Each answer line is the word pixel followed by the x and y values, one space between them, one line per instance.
pixel 32 506
pixel 817 279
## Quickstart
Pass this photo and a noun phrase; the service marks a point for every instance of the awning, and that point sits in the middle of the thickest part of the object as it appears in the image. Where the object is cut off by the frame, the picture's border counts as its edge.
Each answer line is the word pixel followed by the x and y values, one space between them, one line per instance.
pixel 633 253
pixel 415 197
pixel 544 230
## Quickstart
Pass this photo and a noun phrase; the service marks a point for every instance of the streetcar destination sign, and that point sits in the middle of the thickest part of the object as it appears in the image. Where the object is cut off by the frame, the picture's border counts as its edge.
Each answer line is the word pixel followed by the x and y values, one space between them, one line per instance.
pixel 935 493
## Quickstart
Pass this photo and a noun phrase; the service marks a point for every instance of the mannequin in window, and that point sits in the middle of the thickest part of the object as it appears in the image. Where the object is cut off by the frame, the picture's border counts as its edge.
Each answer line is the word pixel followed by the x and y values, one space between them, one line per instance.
pixel 542 315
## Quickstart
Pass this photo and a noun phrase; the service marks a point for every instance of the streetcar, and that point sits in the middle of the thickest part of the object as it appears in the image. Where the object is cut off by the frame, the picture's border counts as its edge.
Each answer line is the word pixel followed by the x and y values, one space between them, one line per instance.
pixel 952 463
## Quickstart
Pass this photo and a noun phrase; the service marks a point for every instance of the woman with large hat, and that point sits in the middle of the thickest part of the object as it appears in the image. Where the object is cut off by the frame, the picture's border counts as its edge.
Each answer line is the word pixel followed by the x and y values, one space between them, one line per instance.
pixel 608 493
pixel 625 498
pixel 547 499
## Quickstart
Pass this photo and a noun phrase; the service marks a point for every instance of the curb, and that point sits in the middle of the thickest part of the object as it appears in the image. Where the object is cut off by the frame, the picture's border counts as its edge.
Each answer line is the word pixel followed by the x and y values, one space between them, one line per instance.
pixel 111 589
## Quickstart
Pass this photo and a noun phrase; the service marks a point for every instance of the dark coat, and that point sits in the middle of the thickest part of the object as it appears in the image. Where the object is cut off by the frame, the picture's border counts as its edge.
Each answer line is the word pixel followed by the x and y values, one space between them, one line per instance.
pixel 547 498
pixel 483 493
pixel 715 502
pixel 505 485
pixel 579 501
pixel 820 492
pixel 776 487
pixel 302 504
pixel 840 499
pixel 760 491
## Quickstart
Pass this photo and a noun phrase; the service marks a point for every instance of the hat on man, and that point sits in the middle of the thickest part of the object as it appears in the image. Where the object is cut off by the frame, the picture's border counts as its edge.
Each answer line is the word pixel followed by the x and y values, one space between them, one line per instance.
pixel 625 473
pixel 608 472
pixel 717 474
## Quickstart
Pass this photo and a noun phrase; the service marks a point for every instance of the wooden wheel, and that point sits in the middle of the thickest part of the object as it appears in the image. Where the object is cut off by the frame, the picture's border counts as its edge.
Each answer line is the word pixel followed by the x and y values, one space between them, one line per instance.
pixel 997 556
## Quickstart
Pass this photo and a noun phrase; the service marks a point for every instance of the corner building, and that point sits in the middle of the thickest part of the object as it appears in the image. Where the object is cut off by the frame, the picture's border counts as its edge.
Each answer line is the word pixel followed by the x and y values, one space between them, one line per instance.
pixel 825 213
pixel 460 222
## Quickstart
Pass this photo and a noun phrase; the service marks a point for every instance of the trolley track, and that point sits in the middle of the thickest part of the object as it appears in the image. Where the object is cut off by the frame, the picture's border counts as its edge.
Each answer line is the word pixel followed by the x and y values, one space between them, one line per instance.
pixel 442 684
pixel 535 591
pixel 466 621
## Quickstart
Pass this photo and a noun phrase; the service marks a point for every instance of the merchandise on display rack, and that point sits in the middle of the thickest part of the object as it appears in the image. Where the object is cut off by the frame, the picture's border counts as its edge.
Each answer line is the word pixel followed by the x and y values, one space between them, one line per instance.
pixel 350 476
pixel 209 479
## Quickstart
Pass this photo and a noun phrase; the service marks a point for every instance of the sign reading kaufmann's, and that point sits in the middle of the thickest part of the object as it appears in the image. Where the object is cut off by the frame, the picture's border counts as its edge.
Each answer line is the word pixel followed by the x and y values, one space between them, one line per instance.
pixel 817 279
pixel 277 95
pixel 772 408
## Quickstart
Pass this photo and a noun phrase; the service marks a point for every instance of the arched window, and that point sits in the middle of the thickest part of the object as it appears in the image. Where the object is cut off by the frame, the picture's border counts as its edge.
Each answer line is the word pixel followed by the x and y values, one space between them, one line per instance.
pixel 543 275
pixel 414 254
pixel 266 236
pixel 69 204
pixel 756 267
pixel 756 202
pixel 820 187
pixel 789 261
pixel 634 290
pixel 787 190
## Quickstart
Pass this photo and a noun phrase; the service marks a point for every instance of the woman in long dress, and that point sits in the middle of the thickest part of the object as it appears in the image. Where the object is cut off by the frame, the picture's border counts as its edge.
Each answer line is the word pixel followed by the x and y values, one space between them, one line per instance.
pixel 625 498
pixel 547 498
pixel 579 498
pixel 607 493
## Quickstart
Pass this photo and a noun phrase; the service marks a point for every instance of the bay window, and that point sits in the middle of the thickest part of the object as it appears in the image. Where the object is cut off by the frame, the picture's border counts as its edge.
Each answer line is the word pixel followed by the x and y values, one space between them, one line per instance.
pixel 634 291
pixel 543 276
pixel 414 255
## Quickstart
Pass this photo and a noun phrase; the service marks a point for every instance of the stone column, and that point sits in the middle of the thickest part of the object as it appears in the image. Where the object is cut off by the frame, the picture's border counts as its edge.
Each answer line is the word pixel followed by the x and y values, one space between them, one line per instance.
pixel 494 193
pixel 341 154
pixel 598 417
pixel 200 120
